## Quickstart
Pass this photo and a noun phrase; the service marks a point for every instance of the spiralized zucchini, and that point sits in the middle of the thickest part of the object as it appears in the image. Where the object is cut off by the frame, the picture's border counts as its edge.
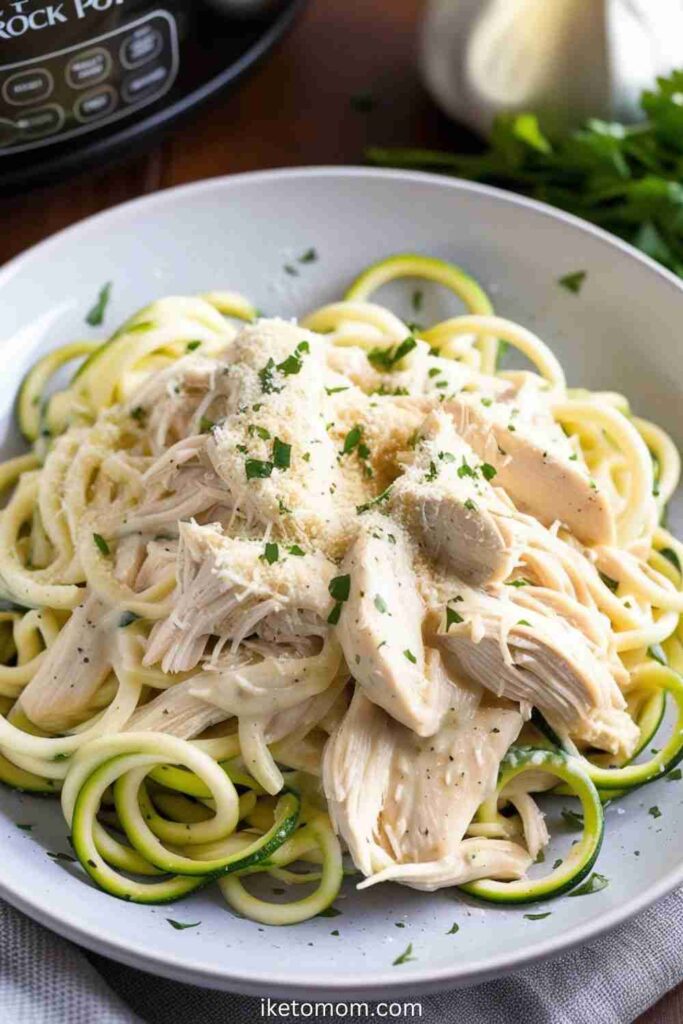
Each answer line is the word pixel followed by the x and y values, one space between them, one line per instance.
pixel 153 817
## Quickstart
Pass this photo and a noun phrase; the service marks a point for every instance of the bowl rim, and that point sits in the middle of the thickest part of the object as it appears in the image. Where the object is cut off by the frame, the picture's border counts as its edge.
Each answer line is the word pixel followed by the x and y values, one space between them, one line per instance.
pixel 412 981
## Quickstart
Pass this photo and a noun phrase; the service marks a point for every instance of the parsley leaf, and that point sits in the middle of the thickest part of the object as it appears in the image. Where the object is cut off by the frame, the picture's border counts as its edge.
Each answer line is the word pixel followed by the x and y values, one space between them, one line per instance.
pixel 626 178
pixel 257 469
pixel 573 282
pixel 389 358
pixel 452 617
pixel 95 316
pixel 595 883
pixel 181 925
pixel 410 656
pixel 340 588
pixel 282 454
pixel 352 439
pixel 537 917
pixel 271 553
pixel 405 956
pixel 101 543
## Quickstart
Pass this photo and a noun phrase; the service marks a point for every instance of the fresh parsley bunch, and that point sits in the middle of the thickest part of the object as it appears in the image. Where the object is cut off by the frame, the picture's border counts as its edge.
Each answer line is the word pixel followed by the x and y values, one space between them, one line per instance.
pixel 626 178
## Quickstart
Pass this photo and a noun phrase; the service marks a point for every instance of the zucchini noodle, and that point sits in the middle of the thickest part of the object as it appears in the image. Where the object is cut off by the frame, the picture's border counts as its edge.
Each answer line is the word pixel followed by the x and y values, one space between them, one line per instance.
pixel 275 594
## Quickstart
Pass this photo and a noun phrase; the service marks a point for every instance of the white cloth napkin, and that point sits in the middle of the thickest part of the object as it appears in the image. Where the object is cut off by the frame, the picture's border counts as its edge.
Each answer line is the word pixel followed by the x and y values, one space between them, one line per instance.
pixel 46 980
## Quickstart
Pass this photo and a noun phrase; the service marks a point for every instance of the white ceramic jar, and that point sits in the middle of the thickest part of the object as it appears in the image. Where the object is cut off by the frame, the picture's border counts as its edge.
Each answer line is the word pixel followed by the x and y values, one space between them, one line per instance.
pixel 564 59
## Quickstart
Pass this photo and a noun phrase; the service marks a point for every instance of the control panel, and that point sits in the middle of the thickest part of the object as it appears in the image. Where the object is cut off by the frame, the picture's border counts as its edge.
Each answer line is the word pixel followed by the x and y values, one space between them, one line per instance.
pixel 83 87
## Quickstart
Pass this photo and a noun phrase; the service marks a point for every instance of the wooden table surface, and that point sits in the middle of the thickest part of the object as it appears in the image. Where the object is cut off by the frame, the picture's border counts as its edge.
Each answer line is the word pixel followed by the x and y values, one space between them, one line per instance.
pixel 294 109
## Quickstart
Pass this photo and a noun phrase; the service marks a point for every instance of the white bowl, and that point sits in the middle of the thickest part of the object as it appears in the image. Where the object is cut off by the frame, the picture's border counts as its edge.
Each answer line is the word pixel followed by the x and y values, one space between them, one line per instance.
pixel 620 333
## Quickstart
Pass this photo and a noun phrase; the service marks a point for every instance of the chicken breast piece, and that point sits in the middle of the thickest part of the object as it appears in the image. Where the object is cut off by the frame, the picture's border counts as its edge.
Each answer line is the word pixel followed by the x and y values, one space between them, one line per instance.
pixel 533 463
pixel 380 628
pixel 403 803
pixel 517 653
pixel 446 502
pixel 227 586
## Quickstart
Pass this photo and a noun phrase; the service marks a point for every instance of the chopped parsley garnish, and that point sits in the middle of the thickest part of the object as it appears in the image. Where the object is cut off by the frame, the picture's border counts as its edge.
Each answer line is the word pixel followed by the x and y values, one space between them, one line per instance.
pixel 432 472
pixel 465 469
pixel 127 618
pixel 388 358
pixel 557 864
pixel 380 604
pixel 417 300
pixel 310 256
pixel 24 828
pixel 454 929
pixel 294 549
pixel 257 469
pixel 573 819
pixel 521 582
pixel 352 439
pixel 340 588
pixel 291 270
pixel 487 402
pixel 333 617
pixel 523 622
pixel 573 282
pixel 675 776
pixel 336 391
pixel 271 553
pixel 410 656
pixel 282 454
pixel 405 956
pixel 452 618
pixel 66 857
pixel 654 811
pixel 435 371
pixel 261 432
pixel 595 883
pixel 374 501
pixel 95 316
pixel 329 912
pixel 192 345
pixel 205 425
pixel 488 471
pixel 266 377
pixel 181 925
pixel 471 505
pixel 139 414
pixel 292 364
pixel 101 543
pixel 537 917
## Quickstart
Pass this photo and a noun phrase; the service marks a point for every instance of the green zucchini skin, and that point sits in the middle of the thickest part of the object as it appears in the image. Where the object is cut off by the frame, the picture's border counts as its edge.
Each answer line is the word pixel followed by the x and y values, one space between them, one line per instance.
pixel 182 875
pixel 614 782
pixel 580 859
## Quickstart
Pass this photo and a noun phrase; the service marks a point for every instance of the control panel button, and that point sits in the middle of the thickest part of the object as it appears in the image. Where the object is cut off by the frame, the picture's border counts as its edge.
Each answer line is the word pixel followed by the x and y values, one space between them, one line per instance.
pixel 141 46
pixel 89 68
pixel 95 104
pixel 145 83
pixel 28 87
pixel 34 124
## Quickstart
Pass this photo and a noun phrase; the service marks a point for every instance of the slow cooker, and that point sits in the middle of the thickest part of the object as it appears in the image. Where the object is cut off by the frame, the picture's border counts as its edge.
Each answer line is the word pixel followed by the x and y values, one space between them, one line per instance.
pixel 81 79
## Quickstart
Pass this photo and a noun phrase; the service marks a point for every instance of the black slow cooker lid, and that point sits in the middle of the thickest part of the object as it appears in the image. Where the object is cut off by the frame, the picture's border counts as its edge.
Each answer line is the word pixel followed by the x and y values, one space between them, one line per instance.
pixel 75 90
